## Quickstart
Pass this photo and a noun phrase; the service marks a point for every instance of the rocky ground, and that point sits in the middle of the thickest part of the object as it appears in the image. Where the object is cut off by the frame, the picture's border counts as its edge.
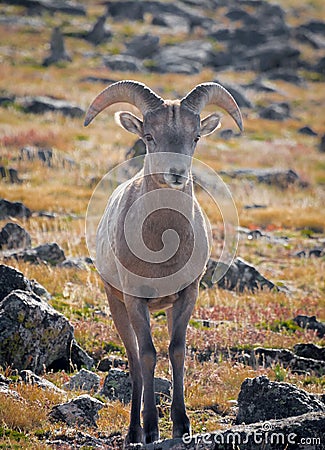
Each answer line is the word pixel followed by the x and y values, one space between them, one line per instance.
pixel 255 355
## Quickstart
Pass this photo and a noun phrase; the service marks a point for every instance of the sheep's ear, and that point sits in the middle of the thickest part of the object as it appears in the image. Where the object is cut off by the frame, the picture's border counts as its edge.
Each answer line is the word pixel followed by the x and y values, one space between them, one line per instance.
pixel 129 122
pixel 209 124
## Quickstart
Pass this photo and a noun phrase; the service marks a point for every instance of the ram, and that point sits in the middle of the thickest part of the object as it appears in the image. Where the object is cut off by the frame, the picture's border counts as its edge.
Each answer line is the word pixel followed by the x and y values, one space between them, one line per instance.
pixel 150 230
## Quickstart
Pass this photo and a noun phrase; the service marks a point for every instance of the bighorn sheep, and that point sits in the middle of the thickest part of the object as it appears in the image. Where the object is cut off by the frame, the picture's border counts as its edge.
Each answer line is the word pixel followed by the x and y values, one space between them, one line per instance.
pixel 170 130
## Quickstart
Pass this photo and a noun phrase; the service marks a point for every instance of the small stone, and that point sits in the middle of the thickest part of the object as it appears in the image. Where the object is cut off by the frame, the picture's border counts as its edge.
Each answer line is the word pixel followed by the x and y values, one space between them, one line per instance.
pixel 83 380
pixel 13 209
pixel 310 351
pixel 82 410
pixel 79 357
pixel 30 377
pixel 261 399
pixel 322 144
pixel 13 236
pixel 57 49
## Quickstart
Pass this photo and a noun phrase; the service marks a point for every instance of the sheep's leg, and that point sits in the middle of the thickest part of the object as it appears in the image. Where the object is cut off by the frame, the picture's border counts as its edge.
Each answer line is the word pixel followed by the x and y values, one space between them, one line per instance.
pixel 138 312
pixel 178 318
pixel 125 330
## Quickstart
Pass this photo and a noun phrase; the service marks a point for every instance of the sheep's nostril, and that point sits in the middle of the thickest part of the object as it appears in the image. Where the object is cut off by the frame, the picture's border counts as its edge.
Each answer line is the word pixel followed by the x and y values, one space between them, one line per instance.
pixel 174 171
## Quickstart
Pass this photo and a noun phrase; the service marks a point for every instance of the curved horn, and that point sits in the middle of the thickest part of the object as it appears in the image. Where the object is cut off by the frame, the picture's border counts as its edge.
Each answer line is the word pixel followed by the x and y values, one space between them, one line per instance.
pixel 137 94
pixel 208 93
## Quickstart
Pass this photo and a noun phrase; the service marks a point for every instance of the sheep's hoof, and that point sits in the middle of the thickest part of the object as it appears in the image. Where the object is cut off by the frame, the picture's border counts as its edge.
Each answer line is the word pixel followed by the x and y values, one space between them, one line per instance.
pixel 135 436
pixel 181 427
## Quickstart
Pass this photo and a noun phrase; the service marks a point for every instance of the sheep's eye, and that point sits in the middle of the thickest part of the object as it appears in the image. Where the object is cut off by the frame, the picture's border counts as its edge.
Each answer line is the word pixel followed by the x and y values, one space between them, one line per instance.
pixel 196 139
pixel 148 137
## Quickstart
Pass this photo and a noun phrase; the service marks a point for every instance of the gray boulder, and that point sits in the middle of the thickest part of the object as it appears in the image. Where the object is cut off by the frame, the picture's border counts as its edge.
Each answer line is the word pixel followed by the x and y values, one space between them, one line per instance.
pixel 13 209
pixel 6 391
pixel 49 253
pixel 82 410
pixel 173 22
pixel 109 362
pixel 315 26
pixel 126 10
pixel 314 40
pixel 268 357
pixel 310 351
pixel 269 56
pixel 99 33
pixel 142 46
pixel 117 386
pixel 310 323
pixel 39 6
pixel 307 130
pixel 12 279
pixel 239 276
pixel 84 380
pixel 188 57
pixel 30 377
pixel 57 49
pixel 123 63
pixel 320 66
pixel 281 178
pixel 276 111
pixel 136 10
pixel 290 433
pixel 78 262
pixel 322 144
pixel 10 175
pixel 33 335
pixel 286 74
pixel 42 105
pixel 261 399
pixel 13 236
pixel 80 358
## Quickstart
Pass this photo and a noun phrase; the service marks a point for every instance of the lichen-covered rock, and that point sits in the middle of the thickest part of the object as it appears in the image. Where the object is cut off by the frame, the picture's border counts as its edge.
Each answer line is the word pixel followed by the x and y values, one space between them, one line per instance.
pixel 268 357
pixel 12 279
pixel 79 263
pixel 80 358
pixel 239 276
pixel 117 386
pixel 310 351
pixel 276 111
pixel 82 410
pixel 57 49
pixel 30 377
pixel 33 335
pixel 14 236
pixel 281 178
pixel 305 432
pixel 99 33
pixel 142 46
pixel 42 105
pixel 124 63
pixel 83 380
pixel 261 399
pixel 310 323
pixel 50 253
pixel 109 362
pixel 13 209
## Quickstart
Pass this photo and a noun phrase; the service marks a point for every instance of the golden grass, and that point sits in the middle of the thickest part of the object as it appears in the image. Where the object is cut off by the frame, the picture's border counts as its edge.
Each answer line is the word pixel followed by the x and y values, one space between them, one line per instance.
pixel 30 411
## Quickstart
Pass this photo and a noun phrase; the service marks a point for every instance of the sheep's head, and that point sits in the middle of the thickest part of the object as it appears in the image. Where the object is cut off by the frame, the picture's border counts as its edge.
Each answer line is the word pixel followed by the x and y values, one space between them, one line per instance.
pixel 170 129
